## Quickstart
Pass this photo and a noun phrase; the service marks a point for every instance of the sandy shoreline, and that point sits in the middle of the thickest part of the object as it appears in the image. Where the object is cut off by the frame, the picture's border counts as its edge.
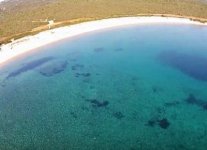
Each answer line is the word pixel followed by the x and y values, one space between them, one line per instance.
pixel 23 45
pixel 1 1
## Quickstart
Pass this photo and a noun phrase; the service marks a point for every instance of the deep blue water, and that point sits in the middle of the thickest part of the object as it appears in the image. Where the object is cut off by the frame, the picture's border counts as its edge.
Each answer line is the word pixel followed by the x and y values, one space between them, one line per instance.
pixel 125 88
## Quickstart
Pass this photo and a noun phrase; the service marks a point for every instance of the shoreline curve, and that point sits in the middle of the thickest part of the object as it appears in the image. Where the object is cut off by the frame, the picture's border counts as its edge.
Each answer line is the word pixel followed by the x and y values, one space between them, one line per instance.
pixel 28 43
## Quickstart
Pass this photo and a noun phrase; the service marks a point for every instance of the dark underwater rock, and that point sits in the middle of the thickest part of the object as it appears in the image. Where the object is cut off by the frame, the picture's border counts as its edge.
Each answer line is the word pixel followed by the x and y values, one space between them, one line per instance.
pixel 119 49
pixel 30 66
pixel 164 123
pixel 86 74
pixel 74 115
pixel 156 89
pixel 53 68
pixel 77 66
pixel 99 49
pixel 172 104
pixel 118 115
pixel 97 103
pixel 82 74
pixel 194 65
pixel 191 99
pixel 151 123
pixel 205 106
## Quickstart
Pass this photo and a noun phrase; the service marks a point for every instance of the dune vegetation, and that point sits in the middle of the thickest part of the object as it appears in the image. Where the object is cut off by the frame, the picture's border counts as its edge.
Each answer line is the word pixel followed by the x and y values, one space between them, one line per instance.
pixel 23 17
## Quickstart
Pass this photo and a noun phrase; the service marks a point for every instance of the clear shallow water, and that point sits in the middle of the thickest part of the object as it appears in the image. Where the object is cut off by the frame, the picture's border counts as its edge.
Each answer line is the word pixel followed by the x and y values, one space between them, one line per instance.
pixel 134 87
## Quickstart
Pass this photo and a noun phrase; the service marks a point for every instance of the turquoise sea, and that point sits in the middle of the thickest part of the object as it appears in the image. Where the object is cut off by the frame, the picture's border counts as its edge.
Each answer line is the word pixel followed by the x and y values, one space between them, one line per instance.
pixel 139 87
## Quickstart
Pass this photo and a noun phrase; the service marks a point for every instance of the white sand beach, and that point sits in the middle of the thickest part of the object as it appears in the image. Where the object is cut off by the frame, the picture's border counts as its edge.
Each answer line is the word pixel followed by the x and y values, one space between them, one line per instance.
pixel 23 45
pixel 1 1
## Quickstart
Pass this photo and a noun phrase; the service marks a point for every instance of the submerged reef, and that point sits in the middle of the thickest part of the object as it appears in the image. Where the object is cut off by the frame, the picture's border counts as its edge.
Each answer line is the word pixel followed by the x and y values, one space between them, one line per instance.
pixel 171 104
pixel 82 74
pixel 29 66
pixel 77 66
pixel 118 49
pixel 74 115
pixel 191 99
pixel 163 123
pixel 194 65
pixel 118 115
pixel 151 123
pixel 156 89
pixel 99 49
pixel 53 68
pixel 97 103
pixel 158 119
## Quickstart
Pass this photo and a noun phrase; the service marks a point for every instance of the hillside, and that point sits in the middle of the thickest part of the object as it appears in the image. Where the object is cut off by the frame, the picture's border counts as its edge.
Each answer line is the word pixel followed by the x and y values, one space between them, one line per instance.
pixel 22 17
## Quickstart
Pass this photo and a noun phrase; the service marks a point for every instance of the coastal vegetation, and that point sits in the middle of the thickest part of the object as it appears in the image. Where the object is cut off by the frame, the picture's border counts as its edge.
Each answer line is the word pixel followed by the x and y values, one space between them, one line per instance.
pixel 24 17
